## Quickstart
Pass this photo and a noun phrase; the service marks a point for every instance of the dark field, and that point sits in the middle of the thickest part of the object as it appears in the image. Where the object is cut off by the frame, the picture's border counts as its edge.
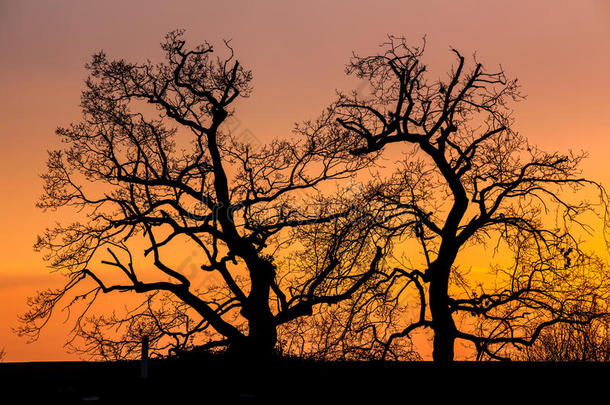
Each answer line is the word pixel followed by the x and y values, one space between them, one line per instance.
pixel 286 381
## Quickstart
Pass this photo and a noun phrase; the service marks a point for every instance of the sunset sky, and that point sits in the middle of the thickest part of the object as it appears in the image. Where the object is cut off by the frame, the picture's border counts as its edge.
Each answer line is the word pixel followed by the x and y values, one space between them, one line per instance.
pixel 559 50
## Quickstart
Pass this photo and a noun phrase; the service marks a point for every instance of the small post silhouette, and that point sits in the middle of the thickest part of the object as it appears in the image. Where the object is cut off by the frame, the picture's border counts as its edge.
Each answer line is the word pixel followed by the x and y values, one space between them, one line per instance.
pixel 144 362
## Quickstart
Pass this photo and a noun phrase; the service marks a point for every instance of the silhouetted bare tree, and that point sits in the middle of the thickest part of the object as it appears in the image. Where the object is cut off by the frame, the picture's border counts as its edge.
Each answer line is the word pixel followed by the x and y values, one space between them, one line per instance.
pixel 154 167
pixel 467 180
pixel 571 342
pixel 357 328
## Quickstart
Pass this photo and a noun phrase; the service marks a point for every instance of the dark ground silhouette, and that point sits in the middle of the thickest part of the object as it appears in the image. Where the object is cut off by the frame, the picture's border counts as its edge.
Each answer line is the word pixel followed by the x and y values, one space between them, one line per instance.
pixel 296 381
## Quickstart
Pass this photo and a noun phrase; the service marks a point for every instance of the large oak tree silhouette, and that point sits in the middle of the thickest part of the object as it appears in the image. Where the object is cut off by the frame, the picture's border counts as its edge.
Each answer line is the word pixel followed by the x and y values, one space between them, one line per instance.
pixel 468 178
pixel 126 170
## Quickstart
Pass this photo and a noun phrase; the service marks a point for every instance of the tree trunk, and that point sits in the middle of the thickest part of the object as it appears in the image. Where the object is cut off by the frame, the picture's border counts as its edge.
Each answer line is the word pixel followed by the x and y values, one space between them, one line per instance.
pixel 442 321
pixel 262 336
pixel 262 333
pixel 258 345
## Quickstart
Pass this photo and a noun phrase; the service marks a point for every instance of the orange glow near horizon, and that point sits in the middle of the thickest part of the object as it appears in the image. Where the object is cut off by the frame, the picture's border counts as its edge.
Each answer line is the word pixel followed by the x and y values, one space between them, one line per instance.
pixel 297 53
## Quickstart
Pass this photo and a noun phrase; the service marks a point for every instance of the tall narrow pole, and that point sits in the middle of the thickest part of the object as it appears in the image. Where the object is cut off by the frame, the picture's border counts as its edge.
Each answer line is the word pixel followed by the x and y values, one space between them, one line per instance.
pixel 144 363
